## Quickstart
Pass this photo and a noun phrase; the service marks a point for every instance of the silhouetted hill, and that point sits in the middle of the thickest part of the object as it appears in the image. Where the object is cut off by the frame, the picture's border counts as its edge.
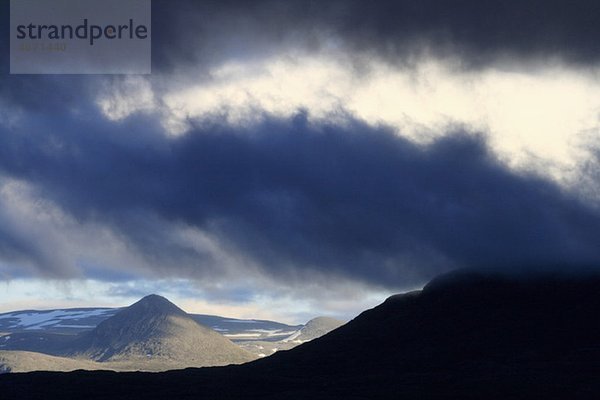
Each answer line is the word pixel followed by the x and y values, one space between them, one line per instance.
pixel 466 335
pixel 465 319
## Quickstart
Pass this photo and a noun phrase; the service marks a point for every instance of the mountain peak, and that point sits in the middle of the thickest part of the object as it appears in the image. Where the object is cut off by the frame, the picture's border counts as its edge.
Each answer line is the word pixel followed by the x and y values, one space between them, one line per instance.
pixel 153 328
pixel 154 304
pixel 154 297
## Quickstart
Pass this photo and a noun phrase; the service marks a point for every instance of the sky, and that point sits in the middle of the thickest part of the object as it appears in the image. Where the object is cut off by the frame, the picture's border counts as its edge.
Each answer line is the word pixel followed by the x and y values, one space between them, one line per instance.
pixel 286 160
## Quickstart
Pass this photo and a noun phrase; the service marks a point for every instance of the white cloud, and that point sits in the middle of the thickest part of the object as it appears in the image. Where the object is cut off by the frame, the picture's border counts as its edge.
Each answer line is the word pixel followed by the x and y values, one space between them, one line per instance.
pixel 120 98
pixel 532 115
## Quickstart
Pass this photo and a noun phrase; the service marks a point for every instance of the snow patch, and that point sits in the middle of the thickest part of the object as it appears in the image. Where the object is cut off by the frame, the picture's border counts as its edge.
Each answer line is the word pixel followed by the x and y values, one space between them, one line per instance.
pixel 242 321
pixel 36 320
pixel 75 326
pixel 243 335
pixel 293 336
pixel 272 332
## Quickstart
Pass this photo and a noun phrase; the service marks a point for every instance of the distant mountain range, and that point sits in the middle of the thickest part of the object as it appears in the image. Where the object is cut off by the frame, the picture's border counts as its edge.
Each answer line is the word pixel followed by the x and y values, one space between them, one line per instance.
pixel 467 335
pixel 313 329
pixel 152 334
pixel 77 320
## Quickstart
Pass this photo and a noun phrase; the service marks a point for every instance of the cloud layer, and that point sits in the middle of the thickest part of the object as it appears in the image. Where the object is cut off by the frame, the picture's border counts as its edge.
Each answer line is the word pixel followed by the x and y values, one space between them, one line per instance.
pixel 320 186
pixel 478 33
pixel 291 198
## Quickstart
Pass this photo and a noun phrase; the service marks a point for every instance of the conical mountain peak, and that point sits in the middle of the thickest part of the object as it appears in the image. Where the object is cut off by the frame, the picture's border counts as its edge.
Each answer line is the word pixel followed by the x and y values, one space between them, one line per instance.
pixel 155 329
pixel 155 304
pixel 154 298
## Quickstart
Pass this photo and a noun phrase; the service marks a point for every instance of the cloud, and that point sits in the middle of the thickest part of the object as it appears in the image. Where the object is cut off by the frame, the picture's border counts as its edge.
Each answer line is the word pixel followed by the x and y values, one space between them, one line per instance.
pixel 324 188
pixel 200 35
pixel 294 200
pixel 527 114
pixel 478 33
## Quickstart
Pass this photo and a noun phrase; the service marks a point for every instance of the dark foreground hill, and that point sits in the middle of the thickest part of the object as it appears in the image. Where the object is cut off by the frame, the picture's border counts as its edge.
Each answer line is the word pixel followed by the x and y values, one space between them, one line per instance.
pixel 466 336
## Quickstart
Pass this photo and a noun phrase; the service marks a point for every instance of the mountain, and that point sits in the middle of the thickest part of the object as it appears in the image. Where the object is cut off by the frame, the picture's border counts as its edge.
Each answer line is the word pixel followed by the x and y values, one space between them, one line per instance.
pixel 247 329
pixel 44 331
pixel 25 361
pixel 49 331
pixel 465 335
pixel 156 330
pixel 73 321
pixel 313 329
pixel 152 334
pixel 63 321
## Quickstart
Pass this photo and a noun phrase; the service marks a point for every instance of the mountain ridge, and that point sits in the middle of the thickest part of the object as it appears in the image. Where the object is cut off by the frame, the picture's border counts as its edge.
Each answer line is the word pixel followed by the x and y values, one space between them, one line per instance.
pixel 478 337
pixel 151 334
pixel 50 331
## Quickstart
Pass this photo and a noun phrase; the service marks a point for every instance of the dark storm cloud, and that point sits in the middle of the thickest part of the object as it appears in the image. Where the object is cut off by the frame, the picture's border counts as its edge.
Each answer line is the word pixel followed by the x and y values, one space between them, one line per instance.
pixel 296 197
pixel 35 93
pixel 11 248
pixel 20 256
pixel 293 196
pixel 4 36
pixel 205 33
pixel 479 32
